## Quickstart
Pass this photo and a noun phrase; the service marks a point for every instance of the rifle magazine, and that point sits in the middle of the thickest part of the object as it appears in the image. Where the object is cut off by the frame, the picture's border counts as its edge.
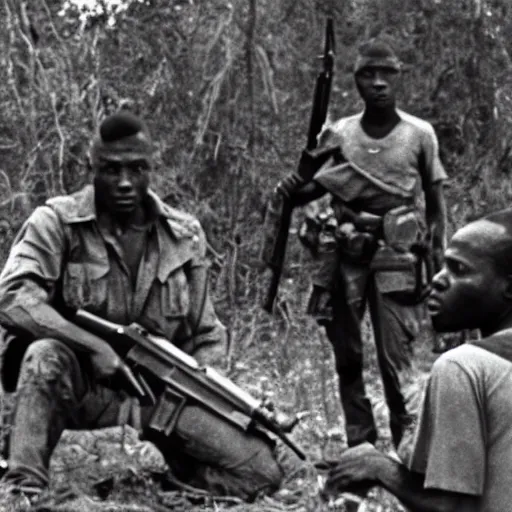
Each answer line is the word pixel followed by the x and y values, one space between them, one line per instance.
pixel 167 411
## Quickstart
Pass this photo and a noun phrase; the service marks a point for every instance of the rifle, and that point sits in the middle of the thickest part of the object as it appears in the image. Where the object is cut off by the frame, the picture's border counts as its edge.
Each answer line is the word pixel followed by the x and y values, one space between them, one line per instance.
pixel 279 208
pixel 184 381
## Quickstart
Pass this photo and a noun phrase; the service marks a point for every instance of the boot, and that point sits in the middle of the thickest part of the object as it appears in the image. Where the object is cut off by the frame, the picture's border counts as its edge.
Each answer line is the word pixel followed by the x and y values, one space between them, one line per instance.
pixel 37 427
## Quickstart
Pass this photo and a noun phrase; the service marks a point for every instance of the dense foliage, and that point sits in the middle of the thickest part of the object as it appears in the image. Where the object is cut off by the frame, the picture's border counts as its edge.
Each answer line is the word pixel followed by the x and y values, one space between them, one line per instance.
pixel 226 88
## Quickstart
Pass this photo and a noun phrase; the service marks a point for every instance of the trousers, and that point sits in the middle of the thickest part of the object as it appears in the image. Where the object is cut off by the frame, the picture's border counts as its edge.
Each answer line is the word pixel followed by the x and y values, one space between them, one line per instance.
pixel 55 392
pixel 394 327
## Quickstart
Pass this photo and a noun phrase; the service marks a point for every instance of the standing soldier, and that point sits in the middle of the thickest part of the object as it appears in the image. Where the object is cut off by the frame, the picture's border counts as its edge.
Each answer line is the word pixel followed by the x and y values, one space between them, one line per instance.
pixel 387 202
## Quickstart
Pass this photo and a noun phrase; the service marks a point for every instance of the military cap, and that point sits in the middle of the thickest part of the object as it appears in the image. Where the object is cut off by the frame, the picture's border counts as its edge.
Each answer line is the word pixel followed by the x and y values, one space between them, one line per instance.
pixel 376 53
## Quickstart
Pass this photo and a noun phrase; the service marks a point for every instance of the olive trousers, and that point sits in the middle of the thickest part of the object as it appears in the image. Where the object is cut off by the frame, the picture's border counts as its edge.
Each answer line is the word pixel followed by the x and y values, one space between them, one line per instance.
pixel 55 392
pixel 395 327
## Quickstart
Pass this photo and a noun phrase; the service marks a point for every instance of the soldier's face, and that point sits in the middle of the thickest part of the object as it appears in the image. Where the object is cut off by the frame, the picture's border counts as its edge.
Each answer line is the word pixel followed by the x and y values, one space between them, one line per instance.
pixel 121 184
pixel 470 292
pixel 377 86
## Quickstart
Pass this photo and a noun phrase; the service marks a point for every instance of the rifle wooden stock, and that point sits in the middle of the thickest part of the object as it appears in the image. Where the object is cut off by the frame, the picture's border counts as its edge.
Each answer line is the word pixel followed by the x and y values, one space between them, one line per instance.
pixel 275 260
pixel 273 252
pixel 185 379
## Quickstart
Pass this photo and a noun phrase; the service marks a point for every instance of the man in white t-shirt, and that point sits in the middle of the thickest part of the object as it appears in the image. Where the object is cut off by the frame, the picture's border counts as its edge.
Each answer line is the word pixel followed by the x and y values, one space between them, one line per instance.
pixel 462 449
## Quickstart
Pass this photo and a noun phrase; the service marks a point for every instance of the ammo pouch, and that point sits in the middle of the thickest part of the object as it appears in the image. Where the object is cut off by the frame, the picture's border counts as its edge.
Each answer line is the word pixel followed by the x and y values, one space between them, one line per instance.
pixel 396 267
pixel 354 245
pixel 358 234
pixel 318 232
pixel 309 233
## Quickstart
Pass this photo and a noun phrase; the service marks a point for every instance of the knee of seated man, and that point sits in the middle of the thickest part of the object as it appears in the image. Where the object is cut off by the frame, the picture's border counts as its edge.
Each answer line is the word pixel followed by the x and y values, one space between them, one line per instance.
pixel 47 360
pixel 261 473
pixel 269 465
pixel 272 464
pixel 251 456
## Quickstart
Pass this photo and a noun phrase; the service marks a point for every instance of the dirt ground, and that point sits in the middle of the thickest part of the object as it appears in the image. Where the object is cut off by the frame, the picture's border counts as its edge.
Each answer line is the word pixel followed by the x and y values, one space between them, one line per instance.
pixel 111 470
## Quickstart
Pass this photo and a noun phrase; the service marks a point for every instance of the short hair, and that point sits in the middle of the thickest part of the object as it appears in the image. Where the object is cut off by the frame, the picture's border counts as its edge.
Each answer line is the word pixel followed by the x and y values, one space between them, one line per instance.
pixel 501 252
pixel 122 133
pixel 120 125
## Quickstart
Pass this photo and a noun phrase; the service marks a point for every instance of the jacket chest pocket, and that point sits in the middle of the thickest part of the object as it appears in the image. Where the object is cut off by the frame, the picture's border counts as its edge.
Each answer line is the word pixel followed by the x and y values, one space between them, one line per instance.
pixel 173 294
pixel 85 285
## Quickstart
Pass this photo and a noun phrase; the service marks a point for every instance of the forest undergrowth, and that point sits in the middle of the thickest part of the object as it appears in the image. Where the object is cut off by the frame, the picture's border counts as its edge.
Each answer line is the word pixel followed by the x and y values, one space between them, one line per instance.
pixel 226 89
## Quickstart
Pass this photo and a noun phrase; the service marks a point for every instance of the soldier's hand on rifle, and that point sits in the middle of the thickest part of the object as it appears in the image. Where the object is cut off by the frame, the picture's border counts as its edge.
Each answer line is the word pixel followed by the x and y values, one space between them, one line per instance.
pixel 106 363
pixel 110 368
pixel 289 184
pixel 310 162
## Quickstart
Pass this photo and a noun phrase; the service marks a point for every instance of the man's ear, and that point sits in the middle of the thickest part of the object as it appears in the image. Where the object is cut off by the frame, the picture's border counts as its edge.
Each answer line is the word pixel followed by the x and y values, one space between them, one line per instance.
pixel 508 289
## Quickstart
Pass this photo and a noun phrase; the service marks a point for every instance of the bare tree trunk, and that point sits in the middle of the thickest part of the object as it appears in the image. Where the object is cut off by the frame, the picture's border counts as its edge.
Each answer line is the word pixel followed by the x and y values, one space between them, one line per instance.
pixel 251 25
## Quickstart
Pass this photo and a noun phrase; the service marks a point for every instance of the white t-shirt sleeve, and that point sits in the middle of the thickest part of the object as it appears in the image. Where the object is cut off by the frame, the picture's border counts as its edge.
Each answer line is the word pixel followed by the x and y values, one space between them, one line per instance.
pixel 449 447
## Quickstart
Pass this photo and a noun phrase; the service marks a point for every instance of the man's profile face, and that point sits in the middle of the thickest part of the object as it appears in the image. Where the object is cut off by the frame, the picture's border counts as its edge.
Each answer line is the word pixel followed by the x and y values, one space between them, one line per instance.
pixel 377 85
pixel 469 291
pixel 121 184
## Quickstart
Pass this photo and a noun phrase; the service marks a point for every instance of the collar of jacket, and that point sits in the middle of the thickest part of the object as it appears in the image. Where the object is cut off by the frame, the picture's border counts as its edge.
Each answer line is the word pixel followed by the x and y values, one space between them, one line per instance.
pixel 81 207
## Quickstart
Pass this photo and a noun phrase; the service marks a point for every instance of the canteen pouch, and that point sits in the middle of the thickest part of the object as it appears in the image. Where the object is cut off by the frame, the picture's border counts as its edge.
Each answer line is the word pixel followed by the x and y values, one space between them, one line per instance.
pixel 401 228
pixel 394 265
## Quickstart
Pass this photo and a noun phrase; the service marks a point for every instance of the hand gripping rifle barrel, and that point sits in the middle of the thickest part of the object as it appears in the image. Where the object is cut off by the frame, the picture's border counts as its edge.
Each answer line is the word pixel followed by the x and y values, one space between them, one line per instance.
pixel 185 380
pixel 279 208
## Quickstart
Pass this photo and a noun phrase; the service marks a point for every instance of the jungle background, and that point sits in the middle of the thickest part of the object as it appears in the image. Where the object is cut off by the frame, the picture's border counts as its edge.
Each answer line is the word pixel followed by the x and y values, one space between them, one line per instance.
pixel 226 89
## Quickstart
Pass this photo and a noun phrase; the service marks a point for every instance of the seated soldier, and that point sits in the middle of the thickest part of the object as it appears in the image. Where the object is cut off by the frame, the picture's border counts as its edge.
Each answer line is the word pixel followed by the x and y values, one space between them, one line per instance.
pixel 115 249
pixel 460 459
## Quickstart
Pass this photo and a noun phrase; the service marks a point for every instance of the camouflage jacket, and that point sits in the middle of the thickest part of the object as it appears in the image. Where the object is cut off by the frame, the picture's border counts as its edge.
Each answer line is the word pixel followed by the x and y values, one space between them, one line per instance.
pixel 67 256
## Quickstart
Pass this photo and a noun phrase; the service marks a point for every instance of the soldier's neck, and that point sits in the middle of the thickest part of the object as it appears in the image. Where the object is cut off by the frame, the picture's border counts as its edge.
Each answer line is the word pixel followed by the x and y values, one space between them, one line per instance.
pixel 123 221
pixel 379 122
pixel 502 323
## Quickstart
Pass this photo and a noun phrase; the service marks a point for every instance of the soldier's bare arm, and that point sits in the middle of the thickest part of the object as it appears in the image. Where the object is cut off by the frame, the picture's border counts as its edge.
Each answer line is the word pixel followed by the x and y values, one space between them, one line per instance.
pixel 365 465
pixel 436 219
pixel 28 285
